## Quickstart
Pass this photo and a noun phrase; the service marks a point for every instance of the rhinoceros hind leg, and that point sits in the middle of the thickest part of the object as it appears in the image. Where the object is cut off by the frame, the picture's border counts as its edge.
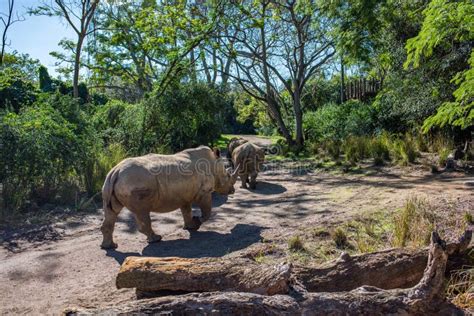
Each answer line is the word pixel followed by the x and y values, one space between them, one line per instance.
pixel 190 222
pixel 108 229
pixel 144 226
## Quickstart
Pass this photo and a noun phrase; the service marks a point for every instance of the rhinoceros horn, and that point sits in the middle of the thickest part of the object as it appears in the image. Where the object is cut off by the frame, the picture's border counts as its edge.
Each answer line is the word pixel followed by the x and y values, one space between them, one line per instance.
pixel 236 172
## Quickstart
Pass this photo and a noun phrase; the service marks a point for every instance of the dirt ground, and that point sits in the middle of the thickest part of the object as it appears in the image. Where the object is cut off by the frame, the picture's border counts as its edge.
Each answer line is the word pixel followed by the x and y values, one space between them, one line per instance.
pixel 59 265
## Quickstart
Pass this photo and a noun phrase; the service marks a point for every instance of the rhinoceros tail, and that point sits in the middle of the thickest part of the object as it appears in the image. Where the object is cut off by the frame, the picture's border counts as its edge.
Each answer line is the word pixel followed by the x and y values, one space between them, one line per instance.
pixel 108 190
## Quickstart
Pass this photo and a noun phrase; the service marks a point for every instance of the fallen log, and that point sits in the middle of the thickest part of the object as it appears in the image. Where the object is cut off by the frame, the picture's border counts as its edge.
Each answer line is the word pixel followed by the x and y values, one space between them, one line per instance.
pixel 427 297
pixel 388 269
pixel 203 275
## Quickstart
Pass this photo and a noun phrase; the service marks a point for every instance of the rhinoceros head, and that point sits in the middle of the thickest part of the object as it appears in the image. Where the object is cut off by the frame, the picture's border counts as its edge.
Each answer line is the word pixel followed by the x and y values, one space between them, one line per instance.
pixel 224 178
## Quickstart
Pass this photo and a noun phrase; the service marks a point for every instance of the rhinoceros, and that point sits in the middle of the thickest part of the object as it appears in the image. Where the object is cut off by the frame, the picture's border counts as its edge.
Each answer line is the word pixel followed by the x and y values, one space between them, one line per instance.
pixel 164 183
pixel 249 157
pixel 234 143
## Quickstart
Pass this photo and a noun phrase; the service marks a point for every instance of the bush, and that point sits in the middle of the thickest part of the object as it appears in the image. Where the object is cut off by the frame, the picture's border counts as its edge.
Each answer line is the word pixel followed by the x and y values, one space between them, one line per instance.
pixel 337 122
pixel 379 150
pixel 403 150
pixel 15 90
pixel 39 150
pixel 46 147
pixel 186 116
pixel 355 149
pixel 100 164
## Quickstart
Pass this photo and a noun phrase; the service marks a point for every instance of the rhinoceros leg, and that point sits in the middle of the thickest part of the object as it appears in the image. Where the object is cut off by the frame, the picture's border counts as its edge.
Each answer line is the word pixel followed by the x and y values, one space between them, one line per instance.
pixel 205 204
pixel 253 181
pixel 144 226
pixel 244 178
pixel 108 229
pixel 190 222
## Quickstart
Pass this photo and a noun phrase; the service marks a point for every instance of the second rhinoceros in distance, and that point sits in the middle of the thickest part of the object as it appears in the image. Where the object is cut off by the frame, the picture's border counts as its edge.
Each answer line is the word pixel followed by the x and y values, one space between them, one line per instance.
pixel 249 157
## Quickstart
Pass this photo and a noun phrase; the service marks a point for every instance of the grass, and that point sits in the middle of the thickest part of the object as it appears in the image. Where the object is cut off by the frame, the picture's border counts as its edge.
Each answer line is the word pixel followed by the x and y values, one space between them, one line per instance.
pixel 460 287
pixel 296 244
pixel 413 224
pixel 340 238
pixel 468 218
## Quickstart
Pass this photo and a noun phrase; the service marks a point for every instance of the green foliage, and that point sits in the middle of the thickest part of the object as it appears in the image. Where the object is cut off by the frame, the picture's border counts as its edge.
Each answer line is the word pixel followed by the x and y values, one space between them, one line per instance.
pixel 379 151
pixel 356 148
pixel 47 146
pixel 39 149
pixel 403 150
pixel 15 90
pixel 336 122
pixel 446 22
pixel 45 81
pixel 186 116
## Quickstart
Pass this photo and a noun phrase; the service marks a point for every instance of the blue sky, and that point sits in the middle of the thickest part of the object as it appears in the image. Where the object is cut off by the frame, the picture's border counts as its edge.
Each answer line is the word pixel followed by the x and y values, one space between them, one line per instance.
pixel 37 35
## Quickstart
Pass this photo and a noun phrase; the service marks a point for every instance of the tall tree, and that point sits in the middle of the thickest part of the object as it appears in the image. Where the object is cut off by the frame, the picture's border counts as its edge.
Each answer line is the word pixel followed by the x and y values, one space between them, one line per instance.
pixel 8 18
pixel 277 46
pixel 79 15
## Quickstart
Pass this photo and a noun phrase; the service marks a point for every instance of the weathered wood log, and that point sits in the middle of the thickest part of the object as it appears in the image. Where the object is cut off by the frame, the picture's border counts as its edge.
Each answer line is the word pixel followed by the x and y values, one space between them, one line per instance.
pixel 389 269
pixel 427 297
pixel 203 275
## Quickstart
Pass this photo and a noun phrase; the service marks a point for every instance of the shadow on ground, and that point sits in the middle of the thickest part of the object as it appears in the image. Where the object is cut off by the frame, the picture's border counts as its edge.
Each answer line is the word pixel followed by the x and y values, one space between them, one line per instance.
pixel 268 188
pixel 200 244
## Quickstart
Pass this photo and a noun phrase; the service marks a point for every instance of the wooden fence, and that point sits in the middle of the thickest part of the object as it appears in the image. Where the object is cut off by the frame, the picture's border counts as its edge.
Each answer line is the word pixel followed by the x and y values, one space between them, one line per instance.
pixel 362 89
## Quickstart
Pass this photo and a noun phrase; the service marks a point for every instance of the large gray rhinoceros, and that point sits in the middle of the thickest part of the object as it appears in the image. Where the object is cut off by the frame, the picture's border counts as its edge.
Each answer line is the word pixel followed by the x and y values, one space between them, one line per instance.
pixel 163 183
pixel 249 157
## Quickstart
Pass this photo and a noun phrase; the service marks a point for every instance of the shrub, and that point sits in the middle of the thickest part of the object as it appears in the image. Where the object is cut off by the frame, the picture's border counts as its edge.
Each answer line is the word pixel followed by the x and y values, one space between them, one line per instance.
pixel 379 151
pixel 336 122
pixel 443 156
pixel 99 164
pixel 15 90
pixel 413 224
pixel 403 150
pixel 39 150
pixel 295 244
pixel 333 148
pixel 355 149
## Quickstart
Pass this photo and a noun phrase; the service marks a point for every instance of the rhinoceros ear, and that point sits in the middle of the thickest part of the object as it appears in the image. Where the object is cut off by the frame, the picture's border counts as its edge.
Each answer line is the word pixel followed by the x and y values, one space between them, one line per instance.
pixel 217 152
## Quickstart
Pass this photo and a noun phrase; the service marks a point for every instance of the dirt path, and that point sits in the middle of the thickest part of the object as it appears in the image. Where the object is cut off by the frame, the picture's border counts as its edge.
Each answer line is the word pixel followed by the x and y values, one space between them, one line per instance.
pixel 73 270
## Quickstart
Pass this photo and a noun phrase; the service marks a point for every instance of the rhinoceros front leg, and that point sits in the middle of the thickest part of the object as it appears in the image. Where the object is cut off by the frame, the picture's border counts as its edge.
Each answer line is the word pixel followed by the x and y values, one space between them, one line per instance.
pixel 245 179
pixel 206 206
pixel 144 226
pixel 190 222
pixel 253 181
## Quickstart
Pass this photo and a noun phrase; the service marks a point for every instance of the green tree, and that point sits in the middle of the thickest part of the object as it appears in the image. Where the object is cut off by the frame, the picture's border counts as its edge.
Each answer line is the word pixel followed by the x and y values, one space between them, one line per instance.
pixel 45 81
pixel 79 15
pixel 446 23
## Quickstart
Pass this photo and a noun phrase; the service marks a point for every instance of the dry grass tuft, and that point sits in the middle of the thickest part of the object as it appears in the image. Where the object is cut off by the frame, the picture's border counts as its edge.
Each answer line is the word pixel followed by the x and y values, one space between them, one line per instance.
pixel 296 244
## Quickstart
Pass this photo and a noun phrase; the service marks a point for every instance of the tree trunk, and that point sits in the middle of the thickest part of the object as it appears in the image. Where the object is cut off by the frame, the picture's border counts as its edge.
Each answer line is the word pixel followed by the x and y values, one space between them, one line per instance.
pixel 203 275
pixel 77 65
pixel 342 81
pixel 427 297
pixel 299 141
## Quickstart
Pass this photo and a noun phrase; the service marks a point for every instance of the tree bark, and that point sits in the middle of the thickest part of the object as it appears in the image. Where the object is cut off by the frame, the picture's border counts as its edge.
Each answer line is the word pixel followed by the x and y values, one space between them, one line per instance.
pixel 77 65
pixel 203 275
pixel 426 297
